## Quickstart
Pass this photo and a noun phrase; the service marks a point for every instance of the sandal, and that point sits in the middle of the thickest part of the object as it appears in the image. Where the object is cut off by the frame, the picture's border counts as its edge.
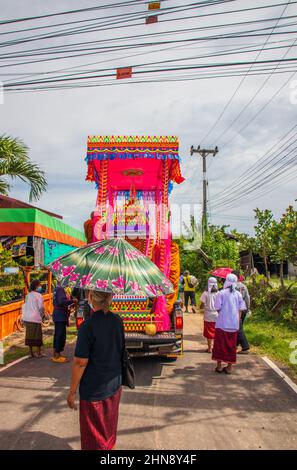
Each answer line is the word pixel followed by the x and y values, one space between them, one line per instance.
pixel 228 372
pixel 60 360
pixel 219 371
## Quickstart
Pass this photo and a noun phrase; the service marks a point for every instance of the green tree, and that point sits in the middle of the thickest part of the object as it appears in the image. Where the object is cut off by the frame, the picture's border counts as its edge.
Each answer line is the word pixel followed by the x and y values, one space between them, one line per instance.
pixel 192 256
pixel 217 249
pixel 245 243
pixel 265 238
pixel 15 163
pixel 285 239
pixel 11 285
pixel 289 222
pixel 220 247
pixel 193 239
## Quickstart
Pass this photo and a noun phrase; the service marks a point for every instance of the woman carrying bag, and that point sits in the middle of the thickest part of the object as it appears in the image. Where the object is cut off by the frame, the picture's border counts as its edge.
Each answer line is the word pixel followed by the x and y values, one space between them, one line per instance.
pixel 100 367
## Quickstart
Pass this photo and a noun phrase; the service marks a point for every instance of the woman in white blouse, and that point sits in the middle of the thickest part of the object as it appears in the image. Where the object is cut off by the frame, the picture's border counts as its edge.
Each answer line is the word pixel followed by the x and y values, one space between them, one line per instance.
pixel 33 310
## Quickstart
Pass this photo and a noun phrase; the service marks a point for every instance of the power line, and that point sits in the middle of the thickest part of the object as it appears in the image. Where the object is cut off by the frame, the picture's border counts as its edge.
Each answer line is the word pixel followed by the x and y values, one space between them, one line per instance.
pixel 251 100
pixel 81 10
pixel 282 166
pixel 113 24
pixel 264 106
pixel 138 72
pixel 261 163
pixel 81 31
pixel 267 190
pixel 112 82
pixel 236 50
pixel 69 48
pixel 252 182
pixel 244 78
pixel 162 62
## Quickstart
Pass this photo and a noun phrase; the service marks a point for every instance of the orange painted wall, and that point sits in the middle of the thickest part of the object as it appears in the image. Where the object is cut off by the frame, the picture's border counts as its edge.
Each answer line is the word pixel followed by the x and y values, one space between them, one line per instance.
pixel 10 312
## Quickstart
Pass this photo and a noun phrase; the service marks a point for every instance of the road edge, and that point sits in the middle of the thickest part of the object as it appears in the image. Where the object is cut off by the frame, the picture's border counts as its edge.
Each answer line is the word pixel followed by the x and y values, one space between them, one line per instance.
pixel 280 373
pixel 13 363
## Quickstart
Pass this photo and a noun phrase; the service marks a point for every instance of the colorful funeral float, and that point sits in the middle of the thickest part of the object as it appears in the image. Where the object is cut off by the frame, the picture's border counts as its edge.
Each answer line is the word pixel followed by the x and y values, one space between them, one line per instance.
pixel 134 176
pixel 30 238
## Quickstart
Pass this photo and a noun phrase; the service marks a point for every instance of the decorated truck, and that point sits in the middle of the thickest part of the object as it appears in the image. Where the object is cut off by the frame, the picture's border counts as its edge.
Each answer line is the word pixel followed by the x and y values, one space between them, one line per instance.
pixel 134 176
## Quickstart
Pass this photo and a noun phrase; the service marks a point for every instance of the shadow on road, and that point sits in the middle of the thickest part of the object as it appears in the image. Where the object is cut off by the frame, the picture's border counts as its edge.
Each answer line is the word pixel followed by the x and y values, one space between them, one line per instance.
pixel 146 369
pixel 33 441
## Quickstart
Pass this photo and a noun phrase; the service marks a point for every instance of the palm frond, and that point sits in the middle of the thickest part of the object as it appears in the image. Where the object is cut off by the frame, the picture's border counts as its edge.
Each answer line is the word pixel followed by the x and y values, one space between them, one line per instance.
pixel 11 148
pixel 15 163
pixel 30 173
pixel 4 187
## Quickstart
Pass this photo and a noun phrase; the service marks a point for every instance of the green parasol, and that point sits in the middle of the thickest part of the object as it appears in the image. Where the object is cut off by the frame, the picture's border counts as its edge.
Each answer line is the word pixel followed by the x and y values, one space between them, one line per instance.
pixel 111 266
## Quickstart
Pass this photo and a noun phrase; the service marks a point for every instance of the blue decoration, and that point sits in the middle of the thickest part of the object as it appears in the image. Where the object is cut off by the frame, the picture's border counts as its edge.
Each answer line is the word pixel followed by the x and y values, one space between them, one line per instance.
pixel 52 250
pixel 129 155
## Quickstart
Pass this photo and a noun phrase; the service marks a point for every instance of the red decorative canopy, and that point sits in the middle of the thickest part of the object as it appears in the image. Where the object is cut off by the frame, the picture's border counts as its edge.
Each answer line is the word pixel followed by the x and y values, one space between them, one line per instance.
pixel 134 157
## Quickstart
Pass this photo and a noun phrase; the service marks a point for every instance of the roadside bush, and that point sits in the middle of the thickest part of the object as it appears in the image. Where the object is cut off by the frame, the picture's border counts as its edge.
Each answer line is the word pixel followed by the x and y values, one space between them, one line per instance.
pixel 11 285
pixel 287 314
pixel 273 302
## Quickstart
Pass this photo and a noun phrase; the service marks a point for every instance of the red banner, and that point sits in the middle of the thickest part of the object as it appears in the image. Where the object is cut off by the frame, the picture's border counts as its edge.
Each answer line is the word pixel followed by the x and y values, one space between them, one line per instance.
pixel 151 19
pixel 124 72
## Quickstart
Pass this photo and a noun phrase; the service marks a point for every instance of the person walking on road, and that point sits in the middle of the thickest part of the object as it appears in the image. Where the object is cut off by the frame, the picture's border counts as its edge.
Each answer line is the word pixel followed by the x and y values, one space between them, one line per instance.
pixel 62 303
pixel 32 313
pixel 230 304
pixel 189 291
pixel 242 340
pixel 97 370
pixel 181 290
pixel 208 299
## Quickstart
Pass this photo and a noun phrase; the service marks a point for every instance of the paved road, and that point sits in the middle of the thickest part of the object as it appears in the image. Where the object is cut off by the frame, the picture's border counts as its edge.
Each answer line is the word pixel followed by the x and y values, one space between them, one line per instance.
pixel 182 405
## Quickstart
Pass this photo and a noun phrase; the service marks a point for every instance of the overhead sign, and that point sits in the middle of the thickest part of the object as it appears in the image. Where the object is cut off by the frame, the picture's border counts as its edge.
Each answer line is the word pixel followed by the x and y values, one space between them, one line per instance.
pixel 151 19
pixel 154 6
pixel 124 72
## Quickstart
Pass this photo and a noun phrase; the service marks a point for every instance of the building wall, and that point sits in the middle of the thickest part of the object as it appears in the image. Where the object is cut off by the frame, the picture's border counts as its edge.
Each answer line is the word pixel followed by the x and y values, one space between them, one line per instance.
pixel 292 269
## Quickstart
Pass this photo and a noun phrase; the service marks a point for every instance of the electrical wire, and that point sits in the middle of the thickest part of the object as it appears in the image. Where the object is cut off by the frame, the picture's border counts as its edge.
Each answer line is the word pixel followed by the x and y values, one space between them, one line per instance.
pixel 259 184
pixel 260 164
pixel 251 100
pixel 243 79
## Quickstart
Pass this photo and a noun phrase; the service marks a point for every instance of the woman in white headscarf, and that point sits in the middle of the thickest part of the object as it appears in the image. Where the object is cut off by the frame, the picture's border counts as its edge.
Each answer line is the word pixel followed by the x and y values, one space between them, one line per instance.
pixel 230 304
pixel 208 299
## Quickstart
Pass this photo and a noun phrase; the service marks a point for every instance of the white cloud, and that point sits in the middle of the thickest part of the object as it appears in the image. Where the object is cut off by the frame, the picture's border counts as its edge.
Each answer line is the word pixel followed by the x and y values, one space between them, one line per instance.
pixel 55 125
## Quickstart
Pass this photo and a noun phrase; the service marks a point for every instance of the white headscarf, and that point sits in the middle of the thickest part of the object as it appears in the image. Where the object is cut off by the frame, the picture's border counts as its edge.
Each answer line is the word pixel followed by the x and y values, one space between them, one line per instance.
pixel 212 282
pixel 231 281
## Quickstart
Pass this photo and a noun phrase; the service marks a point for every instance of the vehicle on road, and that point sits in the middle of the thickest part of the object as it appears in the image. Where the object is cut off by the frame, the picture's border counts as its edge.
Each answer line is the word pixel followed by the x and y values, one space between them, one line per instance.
pixel 134 176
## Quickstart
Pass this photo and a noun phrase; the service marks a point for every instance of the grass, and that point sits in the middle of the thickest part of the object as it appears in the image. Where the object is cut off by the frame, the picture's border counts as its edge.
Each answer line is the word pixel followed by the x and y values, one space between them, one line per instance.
pixel 272 337
pixel 12 352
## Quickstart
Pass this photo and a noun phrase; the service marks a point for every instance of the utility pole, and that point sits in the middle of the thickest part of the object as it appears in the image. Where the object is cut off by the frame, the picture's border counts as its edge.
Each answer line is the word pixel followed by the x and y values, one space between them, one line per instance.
pixel 204 153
